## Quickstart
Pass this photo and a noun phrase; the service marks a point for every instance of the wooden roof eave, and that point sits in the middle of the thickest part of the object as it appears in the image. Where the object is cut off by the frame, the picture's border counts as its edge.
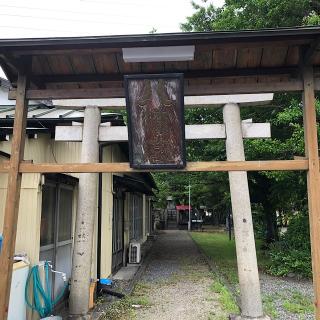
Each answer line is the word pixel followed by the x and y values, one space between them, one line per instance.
pixel 63 74
pixel 164 39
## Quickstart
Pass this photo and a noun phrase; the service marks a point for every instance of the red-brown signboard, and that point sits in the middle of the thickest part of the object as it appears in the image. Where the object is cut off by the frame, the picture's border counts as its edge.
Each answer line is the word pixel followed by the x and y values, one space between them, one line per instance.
pixel 156 121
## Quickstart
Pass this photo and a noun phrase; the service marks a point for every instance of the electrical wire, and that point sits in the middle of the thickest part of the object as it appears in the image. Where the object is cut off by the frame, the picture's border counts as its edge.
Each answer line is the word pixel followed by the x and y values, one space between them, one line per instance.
pixel 37 29
pixel 86 13
pixel 76 20
pixel 65 11
pixel 121 3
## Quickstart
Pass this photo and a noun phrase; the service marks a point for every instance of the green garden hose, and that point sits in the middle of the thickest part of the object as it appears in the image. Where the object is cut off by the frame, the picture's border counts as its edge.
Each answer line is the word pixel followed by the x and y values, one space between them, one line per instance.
pixel 42 297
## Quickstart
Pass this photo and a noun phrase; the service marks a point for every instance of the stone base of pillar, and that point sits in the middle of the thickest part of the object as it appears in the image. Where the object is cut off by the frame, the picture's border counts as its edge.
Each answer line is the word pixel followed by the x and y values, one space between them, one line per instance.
pixel 237 317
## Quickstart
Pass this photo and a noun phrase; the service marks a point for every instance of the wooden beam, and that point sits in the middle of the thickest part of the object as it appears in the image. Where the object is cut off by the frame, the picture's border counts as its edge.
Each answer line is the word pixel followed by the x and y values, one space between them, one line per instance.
pixel 193 90
pixel 201 47
pixel 259 165
pixel 268 165
pixel 22 65
pixel 313 178
pixel 191 74
pixel 13 196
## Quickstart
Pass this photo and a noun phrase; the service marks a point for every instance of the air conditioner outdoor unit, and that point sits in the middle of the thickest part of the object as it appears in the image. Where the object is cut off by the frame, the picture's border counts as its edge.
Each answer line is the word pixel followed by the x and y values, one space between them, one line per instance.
pixel 135 252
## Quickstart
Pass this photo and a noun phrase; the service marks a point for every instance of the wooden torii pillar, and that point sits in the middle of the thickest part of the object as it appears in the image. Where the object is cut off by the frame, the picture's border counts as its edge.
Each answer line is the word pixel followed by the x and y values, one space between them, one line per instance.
pixel 313 177
pixel 13 195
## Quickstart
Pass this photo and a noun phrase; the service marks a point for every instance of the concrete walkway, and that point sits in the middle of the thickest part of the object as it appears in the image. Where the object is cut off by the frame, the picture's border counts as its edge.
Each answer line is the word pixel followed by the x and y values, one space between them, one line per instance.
pixel 176 283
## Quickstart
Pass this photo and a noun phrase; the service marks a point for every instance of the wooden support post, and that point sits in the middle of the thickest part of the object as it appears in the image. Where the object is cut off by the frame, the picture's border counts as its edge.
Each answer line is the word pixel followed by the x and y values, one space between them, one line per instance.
pixel 13 196
pixel 313 177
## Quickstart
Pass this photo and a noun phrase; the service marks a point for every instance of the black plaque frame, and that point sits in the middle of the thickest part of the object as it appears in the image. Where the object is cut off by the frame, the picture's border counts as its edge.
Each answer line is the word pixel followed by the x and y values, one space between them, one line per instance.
pixel 180 92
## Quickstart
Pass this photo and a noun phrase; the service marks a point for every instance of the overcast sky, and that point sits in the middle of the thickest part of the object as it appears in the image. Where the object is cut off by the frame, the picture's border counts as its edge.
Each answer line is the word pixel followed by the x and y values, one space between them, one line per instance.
pixel 47 18
pixel 64 18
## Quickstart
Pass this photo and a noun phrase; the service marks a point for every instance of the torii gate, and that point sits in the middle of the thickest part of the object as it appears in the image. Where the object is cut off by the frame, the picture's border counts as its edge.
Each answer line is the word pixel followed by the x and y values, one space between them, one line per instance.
pixel 233 130
pixel 232 62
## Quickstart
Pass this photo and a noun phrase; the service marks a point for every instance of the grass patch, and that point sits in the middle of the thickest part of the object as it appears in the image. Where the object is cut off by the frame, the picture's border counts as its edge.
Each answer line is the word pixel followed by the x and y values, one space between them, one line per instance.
pixel 223 252
pixel 216 246
pixel 225 297
pixel 298 303
pixel 213 316
pixel 139 295
pixel 141 288
pixel 269 306
pixel 120 310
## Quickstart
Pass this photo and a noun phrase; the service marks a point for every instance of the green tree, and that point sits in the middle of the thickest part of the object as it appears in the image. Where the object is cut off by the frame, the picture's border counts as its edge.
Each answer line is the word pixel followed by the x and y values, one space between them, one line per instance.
pixel 277 194
pixel 252 14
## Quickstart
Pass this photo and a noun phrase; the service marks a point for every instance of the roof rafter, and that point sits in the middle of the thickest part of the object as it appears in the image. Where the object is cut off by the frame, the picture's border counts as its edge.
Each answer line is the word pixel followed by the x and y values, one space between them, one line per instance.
pixel 217 73
pixel 311 51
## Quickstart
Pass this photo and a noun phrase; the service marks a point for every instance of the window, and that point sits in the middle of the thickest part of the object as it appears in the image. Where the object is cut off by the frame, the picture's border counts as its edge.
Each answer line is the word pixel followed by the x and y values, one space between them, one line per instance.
pixel 65 214
pixel 147 217
pixel 136 216
pixel 48 215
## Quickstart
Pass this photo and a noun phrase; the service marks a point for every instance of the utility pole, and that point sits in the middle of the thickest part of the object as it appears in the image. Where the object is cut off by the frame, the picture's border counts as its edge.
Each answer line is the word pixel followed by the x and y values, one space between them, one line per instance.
pixel 189 222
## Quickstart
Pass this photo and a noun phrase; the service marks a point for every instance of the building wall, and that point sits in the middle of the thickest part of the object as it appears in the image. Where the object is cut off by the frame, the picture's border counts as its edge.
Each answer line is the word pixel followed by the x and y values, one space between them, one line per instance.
pixel 42 149
pixel 29 214
pixel 111 153
pixel 4 97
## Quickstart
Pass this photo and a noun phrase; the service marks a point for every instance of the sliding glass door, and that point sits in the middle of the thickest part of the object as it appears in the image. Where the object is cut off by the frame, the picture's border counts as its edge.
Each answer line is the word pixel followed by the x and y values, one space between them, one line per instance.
pixel 56 228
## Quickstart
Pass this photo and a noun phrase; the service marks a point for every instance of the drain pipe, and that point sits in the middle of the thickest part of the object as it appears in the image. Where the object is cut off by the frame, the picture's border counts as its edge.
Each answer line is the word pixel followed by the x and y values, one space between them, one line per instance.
pixel 99 215
pixel 101 146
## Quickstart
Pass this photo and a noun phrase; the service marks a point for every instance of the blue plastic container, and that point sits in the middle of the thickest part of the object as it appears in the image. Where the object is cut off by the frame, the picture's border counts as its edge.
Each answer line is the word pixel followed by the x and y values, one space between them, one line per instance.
pixel 1 238
pixel 106 281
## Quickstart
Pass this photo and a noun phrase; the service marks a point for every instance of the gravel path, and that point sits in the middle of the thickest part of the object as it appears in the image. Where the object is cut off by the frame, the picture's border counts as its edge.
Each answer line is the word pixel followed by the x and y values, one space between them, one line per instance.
pixel 281 291
pixel 177 281
pixel 176 285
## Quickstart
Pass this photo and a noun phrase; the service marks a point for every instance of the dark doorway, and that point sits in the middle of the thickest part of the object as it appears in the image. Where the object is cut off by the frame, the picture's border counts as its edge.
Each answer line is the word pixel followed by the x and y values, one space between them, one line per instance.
pixel 117 231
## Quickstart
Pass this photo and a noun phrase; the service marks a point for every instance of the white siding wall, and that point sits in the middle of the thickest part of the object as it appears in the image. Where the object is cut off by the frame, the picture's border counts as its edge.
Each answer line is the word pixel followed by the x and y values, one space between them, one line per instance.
pixel 4 97
pixel 42 149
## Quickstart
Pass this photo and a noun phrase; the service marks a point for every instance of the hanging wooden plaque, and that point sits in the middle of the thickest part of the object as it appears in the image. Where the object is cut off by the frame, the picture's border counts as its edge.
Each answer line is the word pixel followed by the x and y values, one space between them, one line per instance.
pixel 155 110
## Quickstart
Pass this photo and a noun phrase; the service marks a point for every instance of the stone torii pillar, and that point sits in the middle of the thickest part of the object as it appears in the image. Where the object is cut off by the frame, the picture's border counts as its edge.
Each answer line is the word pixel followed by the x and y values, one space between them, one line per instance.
pixel 86 213
pixel 234 131
pixel 251 303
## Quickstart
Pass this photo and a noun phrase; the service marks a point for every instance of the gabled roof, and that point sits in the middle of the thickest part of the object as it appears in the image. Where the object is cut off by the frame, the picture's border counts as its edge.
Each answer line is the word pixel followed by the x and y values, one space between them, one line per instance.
pixel 221 58
pixel 5 83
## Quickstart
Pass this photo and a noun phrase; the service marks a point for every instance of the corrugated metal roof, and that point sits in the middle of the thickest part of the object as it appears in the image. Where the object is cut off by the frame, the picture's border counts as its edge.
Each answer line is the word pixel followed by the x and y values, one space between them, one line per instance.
pixel 44 119
pixel 54 113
